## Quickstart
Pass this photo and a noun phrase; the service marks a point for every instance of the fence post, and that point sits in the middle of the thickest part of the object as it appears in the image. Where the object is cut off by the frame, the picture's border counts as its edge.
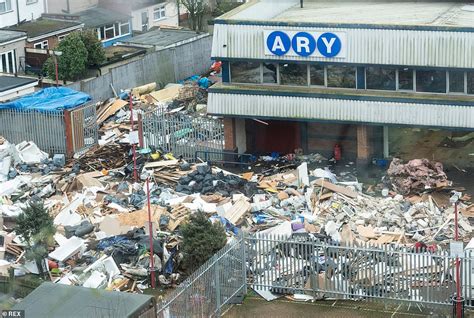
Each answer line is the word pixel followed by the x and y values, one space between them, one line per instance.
pixel 218 287
pixel 244 264
pixel 69 133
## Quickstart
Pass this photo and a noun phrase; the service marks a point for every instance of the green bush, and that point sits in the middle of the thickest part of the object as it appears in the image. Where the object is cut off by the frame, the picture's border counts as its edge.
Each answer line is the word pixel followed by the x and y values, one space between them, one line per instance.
pixel 201 240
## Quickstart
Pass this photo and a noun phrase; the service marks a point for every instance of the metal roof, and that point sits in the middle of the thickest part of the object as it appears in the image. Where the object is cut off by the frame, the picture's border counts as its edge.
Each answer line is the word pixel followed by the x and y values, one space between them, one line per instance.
pixel 8 35
pixel 98 16
pixel 51 300
pixel 164 38
pixel 11 82
pixel 419 13
pixel 45 26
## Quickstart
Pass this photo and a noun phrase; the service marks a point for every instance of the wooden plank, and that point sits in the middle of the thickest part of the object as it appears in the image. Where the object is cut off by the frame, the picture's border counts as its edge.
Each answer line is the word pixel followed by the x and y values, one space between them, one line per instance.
pixel 164 163
pixel 335 188
pixel 237 211
pixel 115 107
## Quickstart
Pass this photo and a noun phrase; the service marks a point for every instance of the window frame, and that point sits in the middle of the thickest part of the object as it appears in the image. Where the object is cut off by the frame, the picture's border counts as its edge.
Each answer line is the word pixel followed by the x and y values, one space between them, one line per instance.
pixel 42 45
pixel 162 12
pixel 7 9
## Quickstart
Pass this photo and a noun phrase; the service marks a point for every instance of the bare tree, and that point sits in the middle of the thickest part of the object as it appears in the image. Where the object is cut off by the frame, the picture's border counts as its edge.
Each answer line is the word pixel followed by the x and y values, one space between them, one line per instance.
pixel 197 11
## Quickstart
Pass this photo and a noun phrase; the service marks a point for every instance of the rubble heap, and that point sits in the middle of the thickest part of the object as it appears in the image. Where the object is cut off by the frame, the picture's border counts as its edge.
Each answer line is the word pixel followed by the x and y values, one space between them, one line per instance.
pixel 416 176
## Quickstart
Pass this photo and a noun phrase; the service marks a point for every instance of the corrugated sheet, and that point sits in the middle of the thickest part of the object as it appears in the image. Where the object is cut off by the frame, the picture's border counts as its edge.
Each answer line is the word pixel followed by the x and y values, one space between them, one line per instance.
pixel 341 110
pixel 366 46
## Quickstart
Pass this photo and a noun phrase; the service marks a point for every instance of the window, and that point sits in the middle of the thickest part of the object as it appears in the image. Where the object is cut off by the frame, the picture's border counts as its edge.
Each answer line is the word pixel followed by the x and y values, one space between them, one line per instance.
pixel 270 75
pixel 456 81
pixel 293 74
pixel 405 79
pixel 245 72
pixel 316 75
pixel 41 45
pixel 341 76
pixel 62 37
pixel 470 82
pixel 380 78
pixel 7 62
pixel 5 5
pixel 109 31
pixel 159 13
pixel 124 28
pixel 431 81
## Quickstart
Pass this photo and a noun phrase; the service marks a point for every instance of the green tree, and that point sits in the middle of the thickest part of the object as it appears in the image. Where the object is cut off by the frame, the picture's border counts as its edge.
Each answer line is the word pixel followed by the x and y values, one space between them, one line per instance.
pixel 201 240
pixel 95 50
pixel 34 223
pixel 36 226
pixel 72 61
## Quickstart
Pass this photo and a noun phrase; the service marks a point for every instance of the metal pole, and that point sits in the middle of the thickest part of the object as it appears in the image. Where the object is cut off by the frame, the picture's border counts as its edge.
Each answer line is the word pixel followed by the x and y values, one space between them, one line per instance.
pixel 56 69
pixel 150 228
pixel 458 278
pixel 134 152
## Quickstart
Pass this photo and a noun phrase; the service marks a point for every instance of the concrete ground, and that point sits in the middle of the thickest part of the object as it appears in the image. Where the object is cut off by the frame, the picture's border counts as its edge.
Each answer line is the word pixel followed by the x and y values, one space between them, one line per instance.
pixel 258 307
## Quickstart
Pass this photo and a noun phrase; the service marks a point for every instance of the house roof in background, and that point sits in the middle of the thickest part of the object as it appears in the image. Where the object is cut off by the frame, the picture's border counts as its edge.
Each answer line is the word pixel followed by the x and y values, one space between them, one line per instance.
pixel 162 38
pixel 10 82
pixel 9 35
pixel 98 16
pixel 45 26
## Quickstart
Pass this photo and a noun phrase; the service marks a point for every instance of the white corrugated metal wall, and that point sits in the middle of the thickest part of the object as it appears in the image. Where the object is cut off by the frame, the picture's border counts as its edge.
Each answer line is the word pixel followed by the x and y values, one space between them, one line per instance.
pixel 294 108
pixel 365 46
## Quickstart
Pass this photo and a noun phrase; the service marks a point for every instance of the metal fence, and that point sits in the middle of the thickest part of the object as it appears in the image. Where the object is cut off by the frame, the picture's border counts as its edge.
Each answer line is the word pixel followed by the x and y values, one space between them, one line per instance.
pixel 183 134
pixel 215 285
pixel 46 129
pixel 276 264
pixel 305 265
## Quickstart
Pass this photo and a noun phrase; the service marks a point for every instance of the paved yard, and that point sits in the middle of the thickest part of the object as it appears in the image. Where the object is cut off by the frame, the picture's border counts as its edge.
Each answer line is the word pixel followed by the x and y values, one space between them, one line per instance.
pixel 258 307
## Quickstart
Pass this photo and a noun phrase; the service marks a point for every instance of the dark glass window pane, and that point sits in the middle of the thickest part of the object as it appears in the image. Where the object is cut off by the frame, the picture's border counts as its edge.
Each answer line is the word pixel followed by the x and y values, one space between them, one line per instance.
pixel 245 72
pixel 293 74
pixel 341 76
pixel 405 79
pixel 456 81
pixel 102 33
pixel 109 34
pixel 124 29
pixel 270 73
pixel 316 74
pixel 380 78
pixel 10 62
pixel 470 82
pixel 4 63
pixel 431 81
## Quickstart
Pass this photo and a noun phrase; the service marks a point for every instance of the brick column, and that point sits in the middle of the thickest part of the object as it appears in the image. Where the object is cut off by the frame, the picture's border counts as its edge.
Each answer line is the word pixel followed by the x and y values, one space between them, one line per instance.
pixel 229 134
pixel 364 147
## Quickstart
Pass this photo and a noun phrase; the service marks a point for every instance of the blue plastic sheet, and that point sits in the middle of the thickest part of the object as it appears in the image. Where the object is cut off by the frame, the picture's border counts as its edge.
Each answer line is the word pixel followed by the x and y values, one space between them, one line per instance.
pixel 49 99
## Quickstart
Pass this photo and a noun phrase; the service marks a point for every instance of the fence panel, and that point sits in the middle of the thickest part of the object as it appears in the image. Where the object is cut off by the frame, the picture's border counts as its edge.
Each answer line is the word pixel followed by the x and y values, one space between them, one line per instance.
pixel 212 287
pixel 45 128
pixel 184 134
pixel 85 131
pixel 325 269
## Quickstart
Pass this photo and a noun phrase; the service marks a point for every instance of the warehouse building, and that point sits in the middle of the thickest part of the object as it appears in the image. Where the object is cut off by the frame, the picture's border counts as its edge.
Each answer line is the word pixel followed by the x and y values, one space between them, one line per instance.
pixel 363 75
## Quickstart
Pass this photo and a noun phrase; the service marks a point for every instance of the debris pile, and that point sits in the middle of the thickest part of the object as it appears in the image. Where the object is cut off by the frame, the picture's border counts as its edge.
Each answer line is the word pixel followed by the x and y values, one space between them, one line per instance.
pixel 416 176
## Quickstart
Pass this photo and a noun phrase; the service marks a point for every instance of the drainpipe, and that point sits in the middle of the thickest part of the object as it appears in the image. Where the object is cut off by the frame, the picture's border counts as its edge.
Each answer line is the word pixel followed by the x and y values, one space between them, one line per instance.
pixel 68 8
pixel 17 12
pixel 301 3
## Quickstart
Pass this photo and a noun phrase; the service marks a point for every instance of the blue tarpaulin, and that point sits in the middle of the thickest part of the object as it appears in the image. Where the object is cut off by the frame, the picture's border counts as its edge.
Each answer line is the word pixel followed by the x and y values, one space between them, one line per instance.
pixel 49 99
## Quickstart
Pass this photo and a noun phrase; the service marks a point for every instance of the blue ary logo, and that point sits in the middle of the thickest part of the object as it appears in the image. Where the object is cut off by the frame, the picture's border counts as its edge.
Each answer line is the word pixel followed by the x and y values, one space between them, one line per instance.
pixel 303 44
pixel 278 43
pixel 329 44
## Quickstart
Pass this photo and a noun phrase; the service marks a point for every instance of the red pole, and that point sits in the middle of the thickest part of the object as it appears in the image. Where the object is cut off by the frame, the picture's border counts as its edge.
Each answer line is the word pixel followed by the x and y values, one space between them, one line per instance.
pixel 134 152
pixel 458 278
pixel 150 228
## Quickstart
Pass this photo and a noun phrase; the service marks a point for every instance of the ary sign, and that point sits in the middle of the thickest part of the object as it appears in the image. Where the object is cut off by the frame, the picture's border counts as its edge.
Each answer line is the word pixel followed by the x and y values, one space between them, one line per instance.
pixel 292 43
